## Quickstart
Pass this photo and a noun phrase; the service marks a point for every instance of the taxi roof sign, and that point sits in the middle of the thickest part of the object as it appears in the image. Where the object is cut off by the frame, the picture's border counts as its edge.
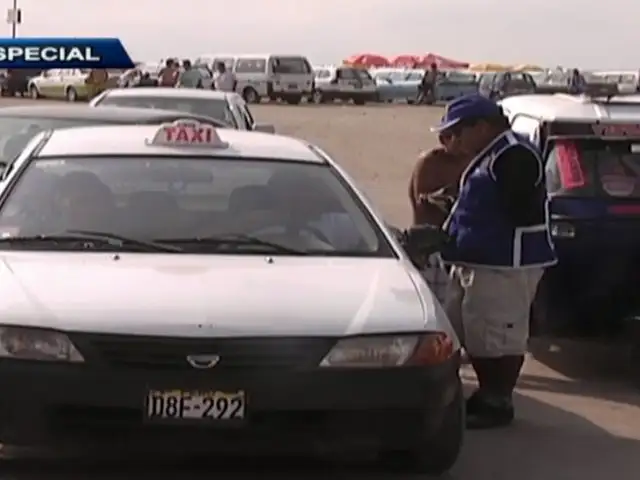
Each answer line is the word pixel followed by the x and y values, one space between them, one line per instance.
pixel 187 133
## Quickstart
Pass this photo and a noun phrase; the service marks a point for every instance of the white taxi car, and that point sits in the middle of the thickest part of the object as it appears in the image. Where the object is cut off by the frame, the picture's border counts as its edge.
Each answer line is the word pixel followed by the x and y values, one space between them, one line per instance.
pixel 191 286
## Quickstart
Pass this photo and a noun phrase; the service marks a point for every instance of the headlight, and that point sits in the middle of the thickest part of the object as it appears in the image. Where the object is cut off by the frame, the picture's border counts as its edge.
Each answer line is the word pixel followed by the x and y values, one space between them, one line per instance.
pixel 37 344
pixel 380 351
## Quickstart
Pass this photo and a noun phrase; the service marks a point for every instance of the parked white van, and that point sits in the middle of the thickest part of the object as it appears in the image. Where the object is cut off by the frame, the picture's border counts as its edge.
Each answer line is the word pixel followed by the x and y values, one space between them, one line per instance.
pixel 267 76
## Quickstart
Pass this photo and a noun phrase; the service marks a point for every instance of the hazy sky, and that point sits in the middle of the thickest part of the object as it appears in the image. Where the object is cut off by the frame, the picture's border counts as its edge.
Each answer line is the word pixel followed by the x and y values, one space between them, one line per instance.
pixel 586 33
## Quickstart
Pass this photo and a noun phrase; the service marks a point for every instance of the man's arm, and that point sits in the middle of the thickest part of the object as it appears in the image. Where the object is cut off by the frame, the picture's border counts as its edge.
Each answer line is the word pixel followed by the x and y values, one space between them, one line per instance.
pixel 517 172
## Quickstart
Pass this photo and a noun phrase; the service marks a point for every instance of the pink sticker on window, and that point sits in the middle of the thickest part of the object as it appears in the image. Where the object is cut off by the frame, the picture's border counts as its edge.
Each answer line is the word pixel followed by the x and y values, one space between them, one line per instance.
pixel 569 165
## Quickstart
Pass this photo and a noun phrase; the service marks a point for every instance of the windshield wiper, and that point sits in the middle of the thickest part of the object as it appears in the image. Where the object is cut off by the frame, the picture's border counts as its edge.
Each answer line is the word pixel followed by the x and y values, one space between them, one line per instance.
pixel 92 236
pixel 233 240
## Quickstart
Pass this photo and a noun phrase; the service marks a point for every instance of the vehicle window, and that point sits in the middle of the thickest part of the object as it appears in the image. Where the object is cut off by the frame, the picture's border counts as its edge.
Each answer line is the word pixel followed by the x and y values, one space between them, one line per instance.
pixel 363 75
pixel 302 206
pixel 414 76
pixel 15 132
pixel 461 77
pixel 527 127
pixel 251 65
pixel 291 65
pixel 594 168
pixel 228 62
pixel 347 74
pixel 217 109
pixel 322 73
pixel 486 80
pixel 246 112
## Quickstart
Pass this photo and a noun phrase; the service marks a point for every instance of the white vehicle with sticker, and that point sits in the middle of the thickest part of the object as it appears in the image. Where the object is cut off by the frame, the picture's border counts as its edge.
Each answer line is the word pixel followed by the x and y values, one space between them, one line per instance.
pixel 176 281
pixel 591 149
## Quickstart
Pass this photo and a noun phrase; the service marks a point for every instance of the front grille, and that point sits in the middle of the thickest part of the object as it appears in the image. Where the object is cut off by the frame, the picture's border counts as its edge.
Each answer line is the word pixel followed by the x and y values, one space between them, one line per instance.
pixel 171 353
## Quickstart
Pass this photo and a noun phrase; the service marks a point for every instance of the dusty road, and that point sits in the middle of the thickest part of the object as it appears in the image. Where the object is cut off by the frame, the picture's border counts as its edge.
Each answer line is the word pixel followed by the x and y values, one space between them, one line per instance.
pixel 578 418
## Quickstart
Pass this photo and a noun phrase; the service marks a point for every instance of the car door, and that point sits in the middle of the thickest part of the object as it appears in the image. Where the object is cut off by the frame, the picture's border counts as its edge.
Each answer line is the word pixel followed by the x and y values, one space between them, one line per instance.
pixel 47 81
pixel 348 82
pixel 57 88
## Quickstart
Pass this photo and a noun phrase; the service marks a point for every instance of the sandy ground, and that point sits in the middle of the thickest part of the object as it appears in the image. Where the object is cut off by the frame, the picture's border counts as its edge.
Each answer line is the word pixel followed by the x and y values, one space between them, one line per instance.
pixel 578 416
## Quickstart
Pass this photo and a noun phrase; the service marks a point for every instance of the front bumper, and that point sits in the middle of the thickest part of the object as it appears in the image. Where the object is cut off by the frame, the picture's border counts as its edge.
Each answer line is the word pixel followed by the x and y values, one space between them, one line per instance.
pixel 45 404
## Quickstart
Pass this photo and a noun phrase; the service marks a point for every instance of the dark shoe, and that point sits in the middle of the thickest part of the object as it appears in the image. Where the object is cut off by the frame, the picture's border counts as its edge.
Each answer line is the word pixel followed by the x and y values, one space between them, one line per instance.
pixel 489 415
pixel 474 403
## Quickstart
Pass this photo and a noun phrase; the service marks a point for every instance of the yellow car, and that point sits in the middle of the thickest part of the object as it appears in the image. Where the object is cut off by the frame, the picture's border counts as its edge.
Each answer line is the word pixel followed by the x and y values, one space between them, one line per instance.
pixel 69 84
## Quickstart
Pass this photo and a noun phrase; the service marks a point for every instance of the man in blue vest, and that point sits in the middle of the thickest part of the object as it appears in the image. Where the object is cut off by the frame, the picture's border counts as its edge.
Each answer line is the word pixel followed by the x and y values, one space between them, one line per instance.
pixel 499 246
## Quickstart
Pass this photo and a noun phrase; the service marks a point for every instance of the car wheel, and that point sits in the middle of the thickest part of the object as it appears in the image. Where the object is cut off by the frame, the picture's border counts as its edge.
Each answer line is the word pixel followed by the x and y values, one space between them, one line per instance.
pixel 546 317
pixel 250 95
pixel 438 453
pixel 71 94
pixel 33 92
pixel 318 97
pixel 294 99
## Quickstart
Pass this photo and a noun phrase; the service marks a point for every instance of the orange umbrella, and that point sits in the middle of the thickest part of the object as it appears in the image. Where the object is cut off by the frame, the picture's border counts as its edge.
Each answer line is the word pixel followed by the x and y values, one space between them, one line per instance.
pixel 407 61
pixel 367 60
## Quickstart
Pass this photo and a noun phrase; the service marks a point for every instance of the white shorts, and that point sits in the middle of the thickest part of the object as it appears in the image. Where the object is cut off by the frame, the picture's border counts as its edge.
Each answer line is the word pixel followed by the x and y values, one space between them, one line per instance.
pixel 489 308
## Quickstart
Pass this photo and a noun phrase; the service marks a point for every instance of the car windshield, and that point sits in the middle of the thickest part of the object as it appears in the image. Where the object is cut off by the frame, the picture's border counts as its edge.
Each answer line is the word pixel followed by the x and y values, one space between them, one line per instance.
pixel 192 203
pixel 215 108
pixel 15 132
pixel 594 167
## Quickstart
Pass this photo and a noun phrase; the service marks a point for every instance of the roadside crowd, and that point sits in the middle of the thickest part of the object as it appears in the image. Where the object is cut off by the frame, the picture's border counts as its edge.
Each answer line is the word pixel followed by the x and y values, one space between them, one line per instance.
pixel 485 188
pixel 184 75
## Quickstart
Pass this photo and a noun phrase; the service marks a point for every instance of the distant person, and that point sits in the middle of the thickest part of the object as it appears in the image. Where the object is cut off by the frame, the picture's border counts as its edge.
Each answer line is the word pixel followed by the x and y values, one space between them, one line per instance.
pixel 224 80
pixel 190 77
pixel 169 74
pixel 96 81
pixel 427 87
pixel 147 81
pixel 577 82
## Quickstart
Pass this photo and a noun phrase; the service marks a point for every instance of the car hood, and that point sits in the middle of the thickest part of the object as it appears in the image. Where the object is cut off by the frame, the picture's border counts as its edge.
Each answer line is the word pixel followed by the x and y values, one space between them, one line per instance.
pixel 197 295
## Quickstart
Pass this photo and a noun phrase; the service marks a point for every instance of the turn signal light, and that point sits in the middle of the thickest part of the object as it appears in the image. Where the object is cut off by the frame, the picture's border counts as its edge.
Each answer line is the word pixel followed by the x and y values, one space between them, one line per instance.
pixel 433 349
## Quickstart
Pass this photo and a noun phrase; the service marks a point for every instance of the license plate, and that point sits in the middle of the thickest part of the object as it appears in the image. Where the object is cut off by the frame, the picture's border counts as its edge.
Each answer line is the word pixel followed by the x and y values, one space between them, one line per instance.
pixel 292 86
pixel 195 405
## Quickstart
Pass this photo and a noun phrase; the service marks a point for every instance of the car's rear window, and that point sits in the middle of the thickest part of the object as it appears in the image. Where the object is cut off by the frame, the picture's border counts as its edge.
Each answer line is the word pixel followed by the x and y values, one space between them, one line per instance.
pixel 217 109
pixel 15 132
pixel 594 167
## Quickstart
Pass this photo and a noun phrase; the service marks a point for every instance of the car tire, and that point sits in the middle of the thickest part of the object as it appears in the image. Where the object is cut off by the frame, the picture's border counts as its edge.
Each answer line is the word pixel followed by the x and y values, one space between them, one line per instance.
pixel 318 97
pixel 545 317
pixel 33 92
pixel 436 454
pixel 250 95
pixel 71 95
pixel 294 99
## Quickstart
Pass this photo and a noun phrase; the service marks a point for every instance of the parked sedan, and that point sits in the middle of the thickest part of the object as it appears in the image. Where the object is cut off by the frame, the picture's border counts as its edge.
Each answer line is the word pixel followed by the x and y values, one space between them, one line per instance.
pixel 62 83
pixel 402 86
pixel 19 124
pixel 227 107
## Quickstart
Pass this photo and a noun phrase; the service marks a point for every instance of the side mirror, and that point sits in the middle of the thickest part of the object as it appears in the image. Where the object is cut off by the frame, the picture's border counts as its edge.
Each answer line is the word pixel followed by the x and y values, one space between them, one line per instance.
pixel 424 240
pixel 264 128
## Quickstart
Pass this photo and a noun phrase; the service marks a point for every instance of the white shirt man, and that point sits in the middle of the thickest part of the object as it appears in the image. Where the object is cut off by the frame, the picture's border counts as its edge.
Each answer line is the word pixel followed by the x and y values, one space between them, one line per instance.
pixel 225 81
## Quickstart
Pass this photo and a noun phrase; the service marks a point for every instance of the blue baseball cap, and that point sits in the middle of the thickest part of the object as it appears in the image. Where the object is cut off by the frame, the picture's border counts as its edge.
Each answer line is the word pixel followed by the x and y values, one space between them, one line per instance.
pixel 465 108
